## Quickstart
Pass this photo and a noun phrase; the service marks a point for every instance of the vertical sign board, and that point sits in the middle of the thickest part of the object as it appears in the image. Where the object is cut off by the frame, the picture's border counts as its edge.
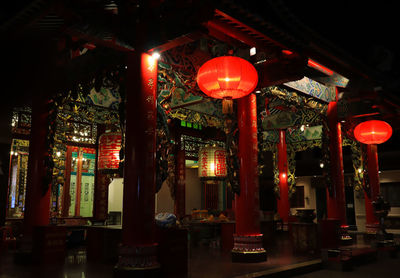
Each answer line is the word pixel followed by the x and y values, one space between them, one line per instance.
pixel 180 205
pixel 109 147
pixel 100 212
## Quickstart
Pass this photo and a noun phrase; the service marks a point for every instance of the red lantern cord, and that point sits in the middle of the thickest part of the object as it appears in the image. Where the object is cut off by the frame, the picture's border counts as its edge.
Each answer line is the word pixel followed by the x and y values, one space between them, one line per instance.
pixel 227 78
pixel 373 132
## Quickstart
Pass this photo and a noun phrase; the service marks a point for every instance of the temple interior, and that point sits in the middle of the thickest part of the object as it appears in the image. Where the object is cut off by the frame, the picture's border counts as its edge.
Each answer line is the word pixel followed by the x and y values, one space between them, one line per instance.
pixel 192 139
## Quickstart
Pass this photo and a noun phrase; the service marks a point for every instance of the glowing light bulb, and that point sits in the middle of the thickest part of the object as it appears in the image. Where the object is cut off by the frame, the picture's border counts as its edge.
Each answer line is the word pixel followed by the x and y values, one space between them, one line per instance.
pixel 156 55
pixel 212 166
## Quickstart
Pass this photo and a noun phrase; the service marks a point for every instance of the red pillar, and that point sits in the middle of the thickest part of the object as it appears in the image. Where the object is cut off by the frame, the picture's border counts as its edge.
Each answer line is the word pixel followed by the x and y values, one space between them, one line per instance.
pixel 37 200
pixel 43 242
pixel 372 222
pixel 138 248
pixel 283 200
pixel 101 183
pixel 336 202
pixel 248 240
pixel 180 193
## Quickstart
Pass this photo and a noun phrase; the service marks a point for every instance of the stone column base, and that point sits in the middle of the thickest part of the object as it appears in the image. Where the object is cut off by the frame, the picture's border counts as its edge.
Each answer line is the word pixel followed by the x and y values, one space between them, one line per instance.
pixel 248 249
pixel 137 261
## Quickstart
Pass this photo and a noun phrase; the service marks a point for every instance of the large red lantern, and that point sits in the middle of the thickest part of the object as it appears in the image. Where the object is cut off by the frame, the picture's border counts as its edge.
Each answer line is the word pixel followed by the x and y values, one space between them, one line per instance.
pixel 227 78
pixel 109 147
pixel 373 132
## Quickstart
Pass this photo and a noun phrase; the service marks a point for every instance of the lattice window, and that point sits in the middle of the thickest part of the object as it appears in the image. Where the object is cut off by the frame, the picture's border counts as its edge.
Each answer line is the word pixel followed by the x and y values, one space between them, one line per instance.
pixel 81 132
pixel 21 120
pixel 192 145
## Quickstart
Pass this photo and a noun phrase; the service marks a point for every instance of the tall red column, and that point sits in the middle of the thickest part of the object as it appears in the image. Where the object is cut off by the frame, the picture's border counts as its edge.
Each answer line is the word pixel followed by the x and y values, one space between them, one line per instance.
pixel 336 202
pixel 372 222
pixel 283 200
pixel 102 181
pixel 248 239
pixel 138 248
pixel 37 201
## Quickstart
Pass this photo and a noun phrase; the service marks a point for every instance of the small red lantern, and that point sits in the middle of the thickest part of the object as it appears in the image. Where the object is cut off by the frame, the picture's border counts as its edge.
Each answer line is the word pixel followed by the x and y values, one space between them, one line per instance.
pixel 373 132
pixel 109 147
pixel 227 78
pixel 212 163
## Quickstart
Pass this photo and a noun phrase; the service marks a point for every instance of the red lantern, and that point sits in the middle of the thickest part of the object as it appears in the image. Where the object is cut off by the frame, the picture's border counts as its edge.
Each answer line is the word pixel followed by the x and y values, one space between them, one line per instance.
pixel 227 78
pixel 109 147
pixel 212 163
pixel 373 132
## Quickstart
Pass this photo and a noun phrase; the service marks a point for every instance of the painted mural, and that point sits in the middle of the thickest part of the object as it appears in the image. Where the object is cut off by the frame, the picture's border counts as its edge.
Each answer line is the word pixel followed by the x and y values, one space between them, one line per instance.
pixel 178 93
pixel 288 119
pixel 105 97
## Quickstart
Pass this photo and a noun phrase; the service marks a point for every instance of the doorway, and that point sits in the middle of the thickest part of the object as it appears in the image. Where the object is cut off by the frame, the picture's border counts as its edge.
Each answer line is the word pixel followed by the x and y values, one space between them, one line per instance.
pixel 78 191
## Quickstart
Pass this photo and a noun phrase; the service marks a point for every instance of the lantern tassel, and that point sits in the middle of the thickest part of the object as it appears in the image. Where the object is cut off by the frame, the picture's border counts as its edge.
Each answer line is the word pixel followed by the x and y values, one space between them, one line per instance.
pixel 227 105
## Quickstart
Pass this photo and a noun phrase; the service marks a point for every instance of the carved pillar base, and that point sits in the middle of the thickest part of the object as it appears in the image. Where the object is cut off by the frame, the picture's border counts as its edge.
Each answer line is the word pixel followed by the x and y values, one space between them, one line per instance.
pixel 137 261
pixel 248 249
pixel 345 238
pixel 372 229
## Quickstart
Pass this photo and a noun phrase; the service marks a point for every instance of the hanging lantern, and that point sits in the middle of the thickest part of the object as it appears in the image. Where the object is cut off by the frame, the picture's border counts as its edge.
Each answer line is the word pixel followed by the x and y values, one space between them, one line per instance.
pixel 373 132
pixel 212 162
pixel 109 147
pixel 227 78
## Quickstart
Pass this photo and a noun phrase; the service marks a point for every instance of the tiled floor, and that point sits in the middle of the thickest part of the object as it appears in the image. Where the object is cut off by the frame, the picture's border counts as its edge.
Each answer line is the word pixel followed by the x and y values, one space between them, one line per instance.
pixel 203 262
pixel 206 262
pixel 74 267
pixel 387 268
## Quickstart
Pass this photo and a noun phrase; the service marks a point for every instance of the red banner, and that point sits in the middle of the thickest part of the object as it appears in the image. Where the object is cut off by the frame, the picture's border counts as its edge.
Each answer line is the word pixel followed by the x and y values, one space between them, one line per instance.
pixel 109 147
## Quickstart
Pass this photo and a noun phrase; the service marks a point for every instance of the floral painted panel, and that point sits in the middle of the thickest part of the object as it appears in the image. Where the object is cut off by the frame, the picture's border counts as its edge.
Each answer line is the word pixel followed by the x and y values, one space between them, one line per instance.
pixel 313 88
pixel 105 97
